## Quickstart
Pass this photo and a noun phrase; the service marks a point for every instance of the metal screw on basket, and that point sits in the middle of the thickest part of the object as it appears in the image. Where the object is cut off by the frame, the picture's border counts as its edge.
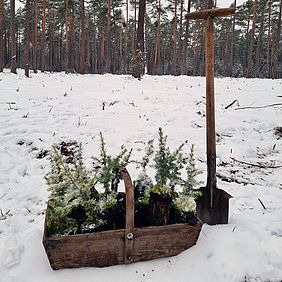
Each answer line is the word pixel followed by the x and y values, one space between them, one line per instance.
pixel 129 236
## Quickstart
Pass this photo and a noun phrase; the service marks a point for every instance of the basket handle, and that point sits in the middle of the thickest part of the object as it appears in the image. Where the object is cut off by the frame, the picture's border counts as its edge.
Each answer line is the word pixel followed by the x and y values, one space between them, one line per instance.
pixel 129 216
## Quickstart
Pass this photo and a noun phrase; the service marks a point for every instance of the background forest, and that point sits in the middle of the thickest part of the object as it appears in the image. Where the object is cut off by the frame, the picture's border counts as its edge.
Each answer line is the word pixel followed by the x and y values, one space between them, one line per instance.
pixel 99 36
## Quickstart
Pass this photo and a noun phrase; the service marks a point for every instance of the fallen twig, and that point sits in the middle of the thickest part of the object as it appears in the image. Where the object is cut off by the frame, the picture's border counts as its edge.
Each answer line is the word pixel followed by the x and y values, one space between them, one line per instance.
pixel 231 104
pixel 28 209
pixel 256 165
pixel 234 228
pixel 262 203
pixel 260 107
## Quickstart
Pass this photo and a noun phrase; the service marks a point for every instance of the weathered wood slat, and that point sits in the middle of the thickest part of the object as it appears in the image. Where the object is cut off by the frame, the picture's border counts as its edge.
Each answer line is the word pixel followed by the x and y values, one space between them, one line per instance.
pixel 214 13
pixel 107 248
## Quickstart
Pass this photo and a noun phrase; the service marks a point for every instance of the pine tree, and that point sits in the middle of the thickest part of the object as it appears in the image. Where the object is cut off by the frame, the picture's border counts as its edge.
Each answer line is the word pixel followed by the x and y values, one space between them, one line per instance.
pixel 13 39
pixel 1 35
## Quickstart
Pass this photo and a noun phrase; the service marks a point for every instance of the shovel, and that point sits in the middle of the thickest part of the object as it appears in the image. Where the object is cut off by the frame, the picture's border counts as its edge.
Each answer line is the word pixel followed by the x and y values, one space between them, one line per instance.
pixel 213 205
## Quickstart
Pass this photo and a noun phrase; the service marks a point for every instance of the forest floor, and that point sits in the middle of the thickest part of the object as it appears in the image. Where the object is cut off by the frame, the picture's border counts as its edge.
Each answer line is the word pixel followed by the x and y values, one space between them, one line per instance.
pixel 48 108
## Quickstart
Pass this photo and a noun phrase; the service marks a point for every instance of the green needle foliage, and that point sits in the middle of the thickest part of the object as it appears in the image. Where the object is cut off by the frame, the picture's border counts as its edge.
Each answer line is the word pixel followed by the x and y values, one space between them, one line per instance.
pixel 191 182
pixel 72 194
pixel 109 175
pixel 168 164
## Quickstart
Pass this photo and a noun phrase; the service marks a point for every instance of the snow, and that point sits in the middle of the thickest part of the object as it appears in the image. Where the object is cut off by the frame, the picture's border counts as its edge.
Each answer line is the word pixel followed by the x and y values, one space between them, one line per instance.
pixel 227 3
pixel 47 108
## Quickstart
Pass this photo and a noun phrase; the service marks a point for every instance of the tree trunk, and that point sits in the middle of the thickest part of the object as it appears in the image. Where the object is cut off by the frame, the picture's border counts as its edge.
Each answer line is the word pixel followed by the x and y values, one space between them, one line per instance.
pixel 108 49
pixel 157 45
pixel 174 51
pixel 26 39
pixel 115 44
pixel 82 39
pixel 185 47
pixel 125 55
pixel 251 43
pixel 102 50
pixel 35 38
pixel 51 34
pixel 232 47
pixel 195 49
pixel 13 39
pixel 72 41
pixel 180 37
pixel 95 47
pixel 140 29
pixel 226 53
pixel 135 27
pixel 67 34
pixel 258 51
pixel 268 42
pixel 89 47
pixel 275 48
pixel 43 37
pixel 120 52
pixel 1 35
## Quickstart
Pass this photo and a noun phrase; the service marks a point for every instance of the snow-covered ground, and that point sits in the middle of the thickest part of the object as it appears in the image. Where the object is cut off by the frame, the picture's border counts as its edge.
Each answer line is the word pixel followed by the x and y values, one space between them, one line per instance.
pixel 47 108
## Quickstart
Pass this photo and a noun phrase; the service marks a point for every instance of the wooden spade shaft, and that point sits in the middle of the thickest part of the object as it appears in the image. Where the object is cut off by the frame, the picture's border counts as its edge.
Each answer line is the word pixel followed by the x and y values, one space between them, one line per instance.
pixel 210 109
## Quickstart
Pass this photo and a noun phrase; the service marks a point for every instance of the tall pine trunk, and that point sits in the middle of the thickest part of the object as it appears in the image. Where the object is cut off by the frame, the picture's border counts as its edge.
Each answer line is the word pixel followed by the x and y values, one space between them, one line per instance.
pixel 258 51
pixel 185 47
pixel 157 45
pixel 251 43
pixel 51 37
pixel 115 44
pixel 275 47
pixel 95 47
pixel 35 38
pixel 125 55
pixel 268 42
pixel 26 38
pixel 82 39
pixel 180 36
pixel 102 50
pixel 195 49
pixel 43 37
pixel 232 47
pixel 1 35
pixel 72 41
pixel 108 48
pixel 141 22
pixel 174 36
pixel 135 27
pixel 13 54
pixel 120 58
pixel 67 35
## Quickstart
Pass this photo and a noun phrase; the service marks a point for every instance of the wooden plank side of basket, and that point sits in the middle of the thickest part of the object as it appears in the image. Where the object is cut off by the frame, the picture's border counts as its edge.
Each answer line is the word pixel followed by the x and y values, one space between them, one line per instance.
pixel 106 248
pixel 121 246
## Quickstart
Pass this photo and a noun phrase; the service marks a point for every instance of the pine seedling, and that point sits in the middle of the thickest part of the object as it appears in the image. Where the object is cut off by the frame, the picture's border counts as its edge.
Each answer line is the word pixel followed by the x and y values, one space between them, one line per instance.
pixel 149 151
pixel 192 172
pixel 168 164
pixel 108 172
pixel 73 194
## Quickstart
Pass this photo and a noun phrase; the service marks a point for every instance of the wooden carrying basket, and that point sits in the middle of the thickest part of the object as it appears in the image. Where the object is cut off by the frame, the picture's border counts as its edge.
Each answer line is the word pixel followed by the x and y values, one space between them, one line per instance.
pixel 123 246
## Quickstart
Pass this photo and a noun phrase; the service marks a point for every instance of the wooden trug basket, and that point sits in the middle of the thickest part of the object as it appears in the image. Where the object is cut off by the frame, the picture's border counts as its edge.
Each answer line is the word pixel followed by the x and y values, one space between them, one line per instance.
pixel 123 246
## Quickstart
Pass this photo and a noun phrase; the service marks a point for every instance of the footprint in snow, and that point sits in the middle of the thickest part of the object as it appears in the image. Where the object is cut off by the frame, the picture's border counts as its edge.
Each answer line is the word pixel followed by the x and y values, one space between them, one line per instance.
pixel 12 254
